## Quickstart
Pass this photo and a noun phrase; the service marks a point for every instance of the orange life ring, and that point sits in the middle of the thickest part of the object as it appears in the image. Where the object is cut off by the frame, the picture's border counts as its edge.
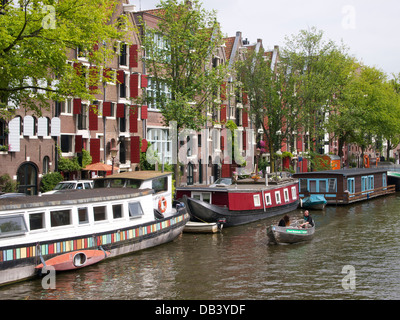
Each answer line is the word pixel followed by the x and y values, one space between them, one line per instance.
pixel 162 205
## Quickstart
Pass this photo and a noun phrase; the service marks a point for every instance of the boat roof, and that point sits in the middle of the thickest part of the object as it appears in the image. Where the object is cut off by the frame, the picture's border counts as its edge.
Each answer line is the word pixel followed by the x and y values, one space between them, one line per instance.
pixel 138 175
pixel 240 187
pixel 72 197
pixel 342 172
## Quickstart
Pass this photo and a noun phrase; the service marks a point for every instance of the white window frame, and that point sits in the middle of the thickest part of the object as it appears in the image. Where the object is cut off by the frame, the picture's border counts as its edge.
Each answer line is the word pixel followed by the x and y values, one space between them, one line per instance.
pixel 278 199
pixel 294 193
pixel 286 194
pixel 268 199
pixel 256 200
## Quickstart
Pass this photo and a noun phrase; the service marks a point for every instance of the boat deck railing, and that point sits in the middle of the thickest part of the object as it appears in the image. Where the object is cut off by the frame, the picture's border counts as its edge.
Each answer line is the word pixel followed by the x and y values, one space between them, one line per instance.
pixel 346 197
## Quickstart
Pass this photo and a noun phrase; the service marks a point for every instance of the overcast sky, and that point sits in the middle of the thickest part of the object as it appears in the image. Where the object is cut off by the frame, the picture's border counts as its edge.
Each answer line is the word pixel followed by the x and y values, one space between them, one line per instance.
pixel 369 28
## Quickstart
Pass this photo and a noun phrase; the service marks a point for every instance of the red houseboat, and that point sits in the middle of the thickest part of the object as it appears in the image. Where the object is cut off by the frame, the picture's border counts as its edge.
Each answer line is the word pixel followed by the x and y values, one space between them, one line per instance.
pixel 239 203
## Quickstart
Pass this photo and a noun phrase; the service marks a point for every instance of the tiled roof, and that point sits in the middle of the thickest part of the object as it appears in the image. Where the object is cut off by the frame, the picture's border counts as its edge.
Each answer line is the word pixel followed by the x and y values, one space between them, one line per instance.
pixel 229 46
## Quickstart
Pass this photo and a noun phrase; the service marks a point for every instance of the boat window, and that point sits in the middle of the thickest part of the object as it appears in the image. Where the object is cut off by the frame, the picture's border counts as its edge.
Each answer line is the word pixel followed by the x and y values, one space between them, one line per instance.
pixel 294 193
pixel 332 185
pixel 117 183
pixel 277 197
pixel 36 221
pixel 100 213
pixel 322 185
pixel 12 226
pixel 256 199
pixel 60 218
pixel 313 185
pixel 384 180
pixel 303 185
pixel 206 197
pixel 134 184
pixel 117 211
pixel 101 183
pixel 286 194
pixel 350 185
pixel 135 210
pixel 268 200
pixel 370 182
pixel 83 215
pixel 202 196
pixel 160 184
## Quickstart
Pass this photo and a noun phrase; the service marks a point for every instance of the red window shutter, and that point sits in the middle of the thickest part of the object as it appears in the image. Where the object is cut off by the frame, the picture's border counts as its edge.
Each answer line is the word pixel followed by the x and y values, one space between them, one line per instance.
pixel 120 110
pixel 77 109
pixel 244 140
pixel 245 99
pixel 226 171
pixel 145 144
pixel 95 150
pixel 133 56
pixel 222 143
pixel 144 113
pixel 93 120
pixel 143 81
pixel 106 109
pixel 107 75
pixel 78 144
pixel 223 113
pixel 245 120
pixel 134 85
pixel 135 149
pixel 94 79
pixel 133 119
pixel 121 76
pixel 299 144
pixel 223 91
pixel 78 68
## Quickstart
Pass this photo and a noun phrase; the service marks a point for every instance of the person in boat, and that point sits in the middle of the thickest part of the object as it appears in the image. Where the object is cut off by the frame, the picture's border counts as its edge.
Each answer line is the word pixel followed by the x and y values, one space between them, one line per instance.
pixel 285 221
pixel 308 220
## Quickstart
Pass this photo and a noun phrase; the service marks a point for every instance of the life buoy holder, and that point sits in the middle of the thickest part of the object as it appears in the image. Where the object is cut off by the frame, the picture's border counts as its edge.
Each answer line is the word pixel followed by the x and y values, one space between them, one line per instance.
pixel 162 205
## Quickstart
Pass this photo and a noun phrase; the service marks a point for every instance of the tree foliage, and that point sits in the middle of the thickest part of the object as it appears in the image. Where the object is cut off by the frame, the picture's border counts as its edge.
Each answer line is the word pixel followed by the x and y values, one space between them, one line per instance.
pixel 36 39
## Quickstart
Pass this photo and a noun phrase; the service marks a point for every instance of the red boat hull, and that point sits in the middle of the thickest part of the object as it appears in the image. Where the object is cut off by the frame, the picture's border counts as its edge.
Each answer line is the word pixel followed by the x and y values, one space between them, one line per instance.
pixel 75 260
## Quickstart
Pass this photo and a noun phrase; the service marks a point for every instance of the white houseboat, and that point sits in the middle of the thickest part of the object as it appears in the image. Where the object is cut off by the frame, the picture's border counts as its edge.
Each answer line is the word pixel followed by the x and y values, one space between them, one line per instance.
pixel 115 221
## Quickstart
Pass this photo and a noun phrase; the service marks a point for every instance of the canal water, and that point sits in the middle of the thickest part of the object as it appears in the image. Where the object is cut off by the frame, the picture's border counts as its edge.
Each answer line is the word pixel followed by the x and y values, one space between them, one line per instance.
pixel 355 254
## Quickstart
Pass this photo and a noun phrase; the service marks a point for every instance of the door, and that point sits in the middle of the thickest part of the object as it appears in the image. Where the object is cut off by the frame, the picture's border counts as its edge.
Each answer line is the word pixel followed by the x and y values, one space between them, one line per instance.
pixel 190 174
pixel 27 179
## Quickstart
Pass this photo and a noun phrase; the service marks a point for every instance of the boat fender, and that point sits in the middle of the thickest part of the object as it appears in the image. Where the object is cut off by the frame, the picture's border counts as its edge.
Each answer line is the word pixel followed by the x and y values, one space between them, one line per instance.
pixel 162 205
pixel 158 214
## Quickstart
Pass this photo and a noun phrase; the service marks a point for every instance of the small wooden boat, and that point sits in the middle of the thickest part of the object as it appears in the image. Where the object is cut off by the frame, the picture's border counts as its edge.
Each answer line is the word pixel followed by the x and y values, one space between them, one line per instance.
pixel 201 227
pixel 75 260
pixel 314 201
pixel 291 234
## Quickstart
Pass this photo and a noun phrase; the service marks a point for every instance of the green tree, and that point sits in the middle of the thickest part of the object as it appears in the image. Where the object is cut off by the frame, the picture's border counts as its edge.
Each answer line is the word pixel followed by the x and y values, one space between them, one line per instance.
pixel 320 70
pixel 270 93
pixel 369 109
pixel 178 57
pixel 36 38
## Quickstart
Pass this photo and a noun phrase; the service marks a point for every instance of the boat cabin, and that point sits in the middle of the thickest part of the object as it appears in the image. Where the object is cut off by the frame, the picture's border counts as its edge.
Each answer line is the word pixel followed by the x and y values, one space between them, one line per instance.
pixel 244 196
pixel 344 186
pixel 160 182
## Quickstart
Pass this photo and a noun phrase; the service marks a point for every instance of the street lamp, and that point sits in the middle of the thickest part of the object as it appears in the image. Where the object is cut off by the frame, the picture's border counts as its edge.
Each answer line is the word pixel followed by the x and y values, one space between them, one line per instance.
pixel 114 152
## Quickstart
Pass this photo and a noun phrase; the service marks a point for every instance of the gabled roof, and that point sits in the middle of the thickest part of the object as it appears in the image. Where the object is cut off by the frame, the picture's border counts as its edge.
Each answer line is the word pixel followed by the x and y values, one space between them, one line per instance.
pixel 229 46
